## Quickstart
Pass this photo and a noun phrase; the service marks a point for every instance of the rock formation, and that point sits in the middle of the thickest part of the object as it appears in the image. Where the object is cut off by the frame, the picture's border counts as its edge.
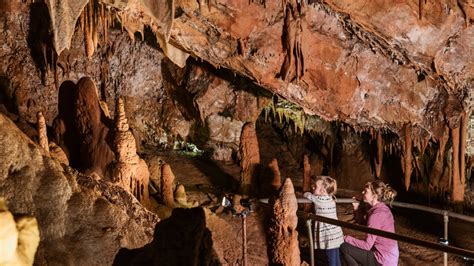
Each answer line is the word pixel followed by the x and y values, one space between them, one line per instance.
pixel 95 153
pixel 130 171
pixel 167 182
pixel 250 157
pixel 19 238
pixel 42 133
pixel 67 204
pixel 64 126
pixel 276 181
pixel 283 246
pixel 307 179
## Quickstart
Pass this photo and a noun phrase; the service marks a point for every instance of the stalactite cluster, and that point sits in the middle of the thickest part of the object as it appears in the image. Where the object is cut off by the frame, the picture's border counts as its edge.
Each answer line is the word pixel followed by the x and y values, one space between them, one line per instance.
pixel 286 111
pixel 94 16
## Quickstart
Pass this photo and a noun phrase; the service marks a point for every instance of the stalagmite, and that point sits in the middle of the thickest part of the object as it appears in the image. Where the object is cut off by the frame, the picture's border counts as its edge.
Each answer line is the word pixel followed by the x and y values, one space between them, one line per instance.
pixel 130 170
pixel 306 180
pixel 167 180
pixel 42 133
pixel 407 156
pixel 250 156
pixel 282 234
pixel 276 181
pixel 180 196
pixel 379 157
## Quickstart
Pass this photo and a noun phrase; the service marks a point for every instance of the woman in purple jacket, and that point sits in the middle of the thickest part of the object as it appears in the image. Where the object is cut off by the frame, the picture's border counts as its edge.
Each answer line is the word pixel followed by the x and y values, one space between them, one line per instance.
pixel 374 250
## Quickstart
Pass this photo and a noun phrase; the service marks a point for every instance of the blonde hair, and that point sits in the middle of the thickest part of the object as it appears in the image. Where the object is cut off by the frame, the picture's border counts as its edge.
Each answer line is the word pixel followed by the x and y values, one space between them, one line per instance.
pixel 329 184
pixel 383 191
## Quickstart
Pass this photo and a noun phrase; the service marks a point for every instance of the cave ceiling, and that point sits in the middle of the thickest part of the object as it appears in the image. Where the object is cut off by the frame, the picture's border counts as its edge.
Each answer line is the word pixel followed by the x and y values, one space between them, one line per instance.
pixel 381 64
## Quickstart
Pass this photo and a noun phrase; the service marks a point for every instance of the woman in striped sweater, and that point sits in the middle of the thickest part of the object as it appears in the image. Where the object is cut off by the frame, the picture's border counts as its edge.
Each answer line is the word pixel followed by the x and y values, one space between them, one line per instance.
pixel 328 237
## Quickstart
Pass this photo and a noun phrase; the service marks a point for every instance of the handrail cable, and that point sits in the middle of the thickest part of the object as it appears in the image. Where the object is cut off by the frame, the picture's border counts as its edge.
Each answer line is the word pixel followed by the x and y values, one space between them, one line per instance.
pixel 398 237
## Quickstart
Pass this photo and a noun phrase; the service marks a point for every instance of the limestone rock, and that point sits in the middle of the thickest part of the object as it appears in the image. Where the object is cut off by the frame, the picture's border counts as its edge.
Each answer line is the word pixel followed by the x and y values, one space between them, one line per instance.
pixel 282 235
pixel 250 156
pixel 57 153
pixel 42 133
pixel 94 151
pixel 82 220
pixel 167 181
pixel 19 240
pixel 131 172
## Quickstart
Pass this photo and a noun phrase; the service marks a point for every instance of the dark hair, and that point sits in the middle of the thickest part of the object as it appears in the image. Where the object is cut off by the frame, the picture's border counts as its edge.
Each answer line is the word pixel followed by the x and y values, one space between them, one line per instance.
pixel 383 191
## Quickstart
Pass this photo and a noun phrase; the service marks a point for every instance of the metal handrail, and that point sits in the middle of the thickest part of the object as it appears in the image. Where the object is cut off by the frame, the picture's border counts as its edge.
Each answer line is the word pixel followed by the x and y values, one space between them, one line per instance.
pixel 404 205
pixel 436 246
pixel 398 237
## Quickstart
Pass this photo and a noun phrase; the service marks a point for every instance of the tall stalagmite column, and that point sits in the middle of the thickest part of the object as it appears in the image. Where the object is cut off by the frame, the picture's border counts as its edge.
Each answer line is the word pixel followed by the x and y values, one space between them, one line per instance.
pixel 130 170
pixel 42 132
pixel 282 235
pixel 250 156
pixel 167 180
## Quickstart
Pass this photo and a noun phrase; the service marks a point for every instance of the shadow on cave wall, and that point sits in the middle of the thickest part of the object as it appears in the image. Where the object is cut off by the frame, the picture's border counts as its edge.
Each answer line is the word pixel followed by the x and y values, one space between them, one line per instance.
pixel 40 38
pixel 181 239
pixel 6 95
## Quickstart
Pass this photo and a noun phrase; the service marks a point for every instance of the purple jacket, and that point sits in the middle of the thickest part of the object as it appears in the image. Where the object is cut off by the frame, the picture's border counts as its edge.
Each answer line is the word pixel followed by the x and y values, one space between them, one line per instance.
pixel 385 249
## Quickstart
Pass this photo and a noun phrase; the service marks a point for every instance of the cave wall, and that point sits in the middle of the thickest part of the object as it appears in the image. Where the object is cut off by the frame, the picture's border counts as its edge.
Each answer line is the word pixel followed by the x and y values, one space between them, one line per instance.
pixel 165 102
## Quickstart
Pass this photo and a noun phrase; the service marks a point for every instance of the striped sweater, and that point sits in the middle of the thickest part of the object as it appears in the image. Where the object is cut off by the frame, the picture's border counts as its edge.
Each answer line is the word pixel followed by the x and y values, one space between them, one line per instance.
pixel 326 236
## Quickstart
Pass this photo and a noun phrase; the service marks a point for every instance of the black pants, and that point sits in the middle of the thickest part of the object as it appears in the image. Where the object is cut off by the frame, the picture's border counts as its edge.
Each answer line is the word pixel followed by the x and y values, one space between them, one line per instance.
pixel 351 255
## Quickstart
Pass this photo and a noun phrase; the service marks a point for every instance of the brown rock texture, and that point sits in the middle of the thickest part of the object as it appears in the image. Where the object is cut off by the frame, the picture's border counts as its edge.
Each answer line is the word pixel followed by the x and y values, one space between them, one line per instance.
pixel 81 219
pixel 95 152
pixel 130 171
pixel 42 133
pixel 283 246
pixel 19 238
pixel 250 157
pixel 167 182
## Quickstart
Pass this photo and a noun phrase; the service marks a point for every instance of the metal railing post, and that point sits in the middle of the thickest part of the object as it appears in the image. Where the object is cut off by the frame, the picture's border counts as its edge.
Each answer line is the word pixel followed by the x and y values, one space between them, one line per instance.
pixel 445 240
pixel 244 239
pixel 311 243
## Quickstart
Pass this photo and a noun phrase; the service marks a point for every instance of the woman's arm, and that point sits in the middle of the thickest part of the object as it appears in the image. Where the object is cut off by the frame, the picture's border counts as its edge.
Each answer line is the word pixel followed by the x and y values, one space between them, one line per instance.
pixel 375 220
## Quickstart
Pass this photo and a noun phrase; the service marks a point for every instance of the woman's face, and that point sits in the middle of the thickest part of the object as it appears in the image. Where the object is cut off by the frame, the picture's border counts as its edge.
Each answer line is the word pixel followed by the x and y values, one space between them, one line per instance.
pixel 369 196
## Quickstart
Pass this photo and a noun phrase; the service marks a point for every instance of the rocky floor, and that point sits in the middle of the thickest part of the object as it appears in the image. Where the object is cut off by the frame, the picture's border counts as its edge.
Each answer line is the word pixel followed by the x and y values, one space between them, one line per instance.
pixel 206 182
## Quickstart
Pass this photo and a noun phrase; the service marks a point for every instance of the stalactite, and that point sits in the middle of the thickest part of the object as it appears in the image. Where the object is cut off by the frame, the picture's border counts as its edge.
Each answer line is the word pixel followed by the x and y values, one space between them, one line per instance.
pixel 293 65
pixel 379 157
pixel 42 133
pixel 306 179
pixel 455 176
pixel 407 158
pixel 421 5
pixel 467 6
pixel 459 145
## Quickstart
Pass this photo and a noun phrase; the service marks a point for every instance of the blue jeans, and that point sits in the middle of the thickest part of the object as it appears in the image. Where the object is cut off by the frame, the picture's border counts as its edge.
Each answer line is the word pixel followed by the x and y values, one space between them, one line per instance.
pixel 333 257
